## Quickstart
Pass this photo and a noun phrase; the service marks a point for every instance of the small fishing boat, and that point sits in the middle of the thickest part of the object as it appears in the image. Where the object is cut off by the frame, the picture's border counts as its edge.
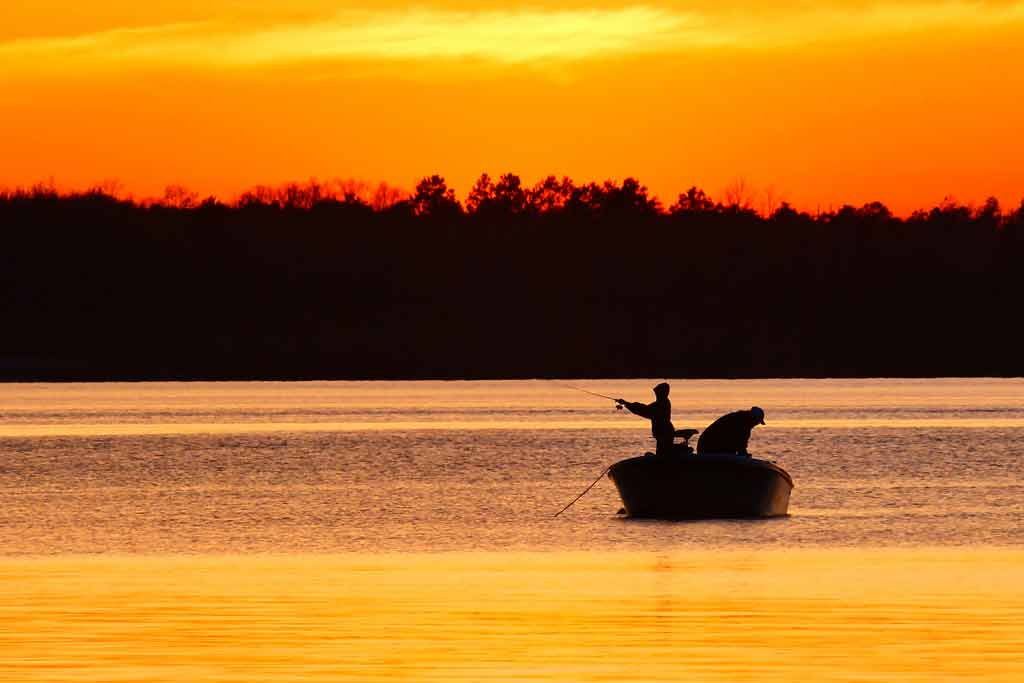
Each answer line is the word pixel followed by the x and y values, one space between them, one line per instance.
pixel 701 486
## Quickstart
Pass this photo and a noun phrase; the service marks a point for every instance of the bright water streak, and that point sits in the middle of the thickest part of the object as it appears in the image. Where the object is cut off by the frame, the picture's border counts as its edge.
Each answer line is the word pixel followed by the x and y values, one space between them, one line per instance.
pixel 403 531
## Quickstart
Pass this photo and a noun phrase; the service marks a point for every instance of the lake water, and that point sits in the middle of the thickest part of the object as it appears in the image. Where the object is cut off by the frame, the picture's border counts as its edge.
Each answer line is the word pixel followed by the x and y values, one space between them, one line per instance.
pixel 405 531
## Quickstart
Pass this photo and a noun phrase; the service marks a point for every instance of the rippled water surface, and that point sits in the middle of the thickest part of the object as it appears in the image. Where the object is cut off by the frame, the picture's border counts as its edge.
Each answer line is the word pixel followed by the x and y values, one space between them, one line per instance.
pixel 405 531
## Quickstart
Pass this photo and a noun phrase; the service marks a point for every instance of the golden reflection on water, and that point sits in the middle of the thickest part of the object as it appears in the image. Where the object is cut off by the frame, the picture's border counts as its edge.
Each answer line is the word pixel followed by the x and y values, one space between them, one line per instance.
pixel 16 430
pixel 807 615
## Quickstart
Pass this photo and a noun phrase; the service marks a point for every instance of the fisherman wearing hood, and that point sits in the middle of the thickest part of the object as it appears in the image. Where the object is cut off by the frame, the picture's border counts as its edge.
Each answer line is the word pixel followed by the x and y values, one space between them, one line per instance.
pixel 730 433
pixel 660 415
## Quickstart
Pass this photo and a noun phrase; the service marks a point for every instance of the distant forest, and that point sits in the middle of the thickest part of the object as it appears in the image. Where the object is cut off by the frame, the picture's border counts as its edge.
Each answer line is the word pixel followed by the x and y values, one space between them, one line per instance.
pixel 320 281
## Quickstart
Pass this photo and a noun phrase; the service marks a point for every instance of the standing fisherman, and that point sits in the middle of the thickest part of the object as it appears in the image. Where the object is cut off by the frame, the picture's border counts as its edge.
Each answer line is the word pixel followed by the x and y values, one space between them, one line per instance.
pixel 660 415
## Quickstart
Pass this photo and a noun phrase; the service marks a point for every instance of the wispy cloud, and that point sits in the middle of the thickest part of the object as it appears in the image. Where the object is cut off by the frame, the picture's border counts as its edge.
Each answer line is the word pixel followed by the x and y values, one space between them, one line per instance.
pixel 508 37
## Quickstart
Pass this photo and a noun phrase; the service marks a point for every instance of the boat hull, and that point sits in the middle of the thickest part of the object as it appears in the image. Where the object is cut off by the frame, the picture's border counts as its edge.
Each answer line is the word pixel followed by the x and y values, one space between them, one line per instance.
pixel 701 486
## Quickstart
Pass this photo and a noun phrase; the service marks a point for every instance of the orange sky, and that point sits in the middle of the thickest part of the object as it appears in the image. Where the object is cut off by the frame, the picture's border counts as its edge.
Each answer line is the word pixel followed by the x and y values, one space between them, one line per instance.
pixel 817 103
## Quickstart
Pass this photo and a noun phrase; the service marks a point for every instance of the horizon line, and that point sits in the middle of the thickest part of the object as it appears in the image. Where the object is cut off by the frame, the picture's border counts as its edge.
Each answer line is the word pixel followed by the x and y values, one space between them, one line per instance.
pixel 763 201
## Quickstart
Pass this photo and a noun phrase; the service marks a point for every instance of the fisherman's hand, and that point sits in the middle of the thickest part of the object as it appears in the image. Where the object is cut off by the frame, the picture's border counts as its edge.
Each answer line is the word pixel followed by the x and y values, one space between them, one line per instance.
pixel 620 401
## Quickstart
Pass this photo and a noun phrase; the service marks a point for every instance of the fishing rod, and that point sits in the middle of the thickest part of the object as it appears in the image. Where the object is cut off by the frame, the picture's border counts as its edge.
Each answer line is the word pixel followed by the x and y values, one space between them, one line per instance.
pixel 618 406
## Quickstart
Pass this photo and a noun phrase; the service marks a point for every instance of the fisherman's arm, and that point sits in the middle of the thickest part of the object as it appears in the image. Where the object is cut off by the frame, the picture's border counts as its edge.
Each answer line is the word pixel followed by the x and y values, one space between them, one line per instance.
pixel 745 442
pixel 641 409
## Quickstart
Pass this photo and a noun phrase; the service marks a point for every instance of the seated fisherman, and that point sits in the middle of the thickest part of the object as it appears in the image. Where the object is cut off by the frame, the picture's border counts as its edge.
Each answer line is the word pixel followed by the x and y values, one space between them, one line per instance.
pixel 660 415
pixel 730 433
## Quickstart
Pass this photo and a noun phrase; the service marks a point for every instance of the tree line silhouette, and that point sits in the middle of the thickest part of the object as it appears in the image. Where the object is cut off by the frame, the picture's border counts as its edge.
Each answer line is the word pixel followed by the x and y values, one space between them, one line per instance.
pixel 559 279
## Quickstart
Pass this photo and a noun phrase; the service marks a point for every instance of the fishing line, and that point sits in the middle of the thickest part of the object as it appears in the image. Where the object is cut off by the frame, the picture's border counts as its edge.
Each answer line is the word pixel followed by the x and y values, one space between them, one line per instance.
pixel 584 490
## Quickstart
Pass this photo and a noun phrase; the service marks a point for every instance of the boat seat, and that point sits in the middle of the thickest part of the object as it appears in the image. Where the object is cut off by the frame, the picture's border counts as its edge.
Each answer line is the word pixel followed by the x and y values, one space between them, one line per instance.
pixel 686 434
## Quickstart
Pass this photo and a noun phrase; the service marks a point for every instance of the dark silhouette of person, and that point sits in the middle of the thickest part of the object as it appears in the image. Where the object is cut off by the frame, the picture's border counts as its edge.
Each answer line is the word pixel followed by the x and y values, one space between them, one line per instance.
pixel 730 433
pixel 660 415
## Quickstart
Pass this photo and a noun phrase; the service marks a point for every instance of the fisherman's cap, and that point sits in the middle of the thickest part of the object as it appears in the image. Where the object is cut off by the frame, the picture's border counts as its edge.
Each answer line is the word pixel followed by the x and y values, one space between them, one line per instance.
pixel 661 388
pixel 758 414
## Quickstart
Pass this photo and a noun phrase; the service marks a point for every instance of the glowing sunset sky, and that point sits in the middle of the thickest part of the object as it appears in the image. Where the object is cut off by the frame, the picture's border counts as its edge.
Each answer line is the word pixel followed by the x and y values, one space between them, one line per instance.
pixel 847 101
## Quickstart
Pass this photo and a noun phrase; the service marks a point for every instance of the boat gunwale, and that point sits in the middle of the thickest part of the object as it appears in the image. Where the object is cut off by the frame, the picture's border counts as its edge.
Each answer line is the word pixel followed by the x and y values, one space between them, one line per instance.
pixel 746 461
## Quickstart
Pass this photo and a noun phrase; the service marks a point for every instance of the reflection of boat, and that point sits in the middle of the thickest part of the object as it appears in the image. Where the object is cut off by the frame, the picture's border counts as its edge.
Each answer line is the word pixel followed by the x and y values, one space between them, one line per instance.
pixel 694 486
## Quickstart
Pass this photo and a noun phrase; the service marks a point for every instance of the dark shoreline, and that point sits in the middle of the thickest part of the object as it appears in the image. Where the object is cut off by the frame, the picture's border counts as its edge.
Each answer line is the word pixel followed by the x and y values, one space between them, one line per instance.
pixel 603 283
